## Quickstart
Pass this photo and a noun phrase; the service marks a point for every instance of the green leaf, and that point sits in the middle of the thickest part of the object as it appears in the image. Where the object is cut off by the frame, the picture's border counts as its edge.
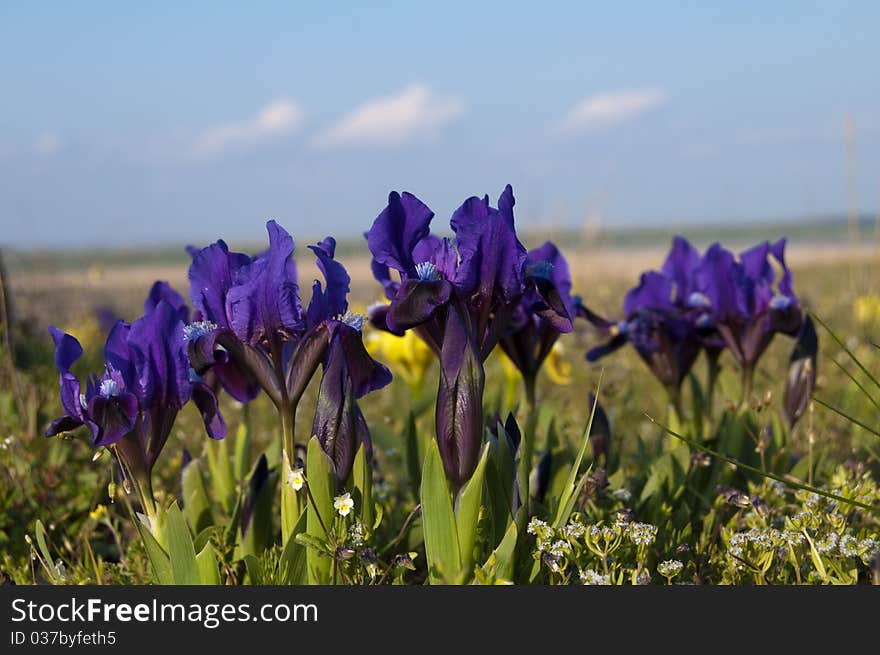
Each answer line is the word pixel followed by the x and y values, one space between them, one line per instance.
pixel 206 561
pixel 42 546
pixel 291 502
pixel 196 505
pixel 159 560
pixel 500 564
pixel 220 468
pixel 438 519
pixel 500 492
pixel 254 570
pixel 568 497
pixel 321 483
pixel 292 563
pixel 467 518
pixel 362 479
pixel 242 457
pixel 414 471
pixel 817 559
pixel 256 533
pixel 180 545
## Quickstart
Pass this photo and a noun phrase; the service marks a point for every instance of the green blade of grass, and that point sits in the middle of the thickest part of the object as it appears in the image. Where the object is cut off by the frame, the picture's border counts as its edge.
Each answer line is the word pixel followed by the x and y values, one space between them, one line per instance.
pixel 765 474
pixel 847 351
pixel 571 484
pixel 855 381
pixel 849 418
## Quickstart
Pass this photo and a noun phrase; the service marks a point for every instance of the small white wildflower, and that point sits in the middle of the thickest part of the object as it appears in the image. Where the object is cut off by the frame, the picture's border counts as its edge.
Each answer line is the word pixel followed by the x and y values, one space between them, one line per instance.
pixel 793 538
pixel 670 568
pixel 760 538
pixel 642 534
pixel 868 549
pixel 573 531
pixel 296 479
pixel 343 504
pixel 537 527
pixel 849 546
pixel 591 577
pixel 559 549
pixel 828 543
pixel 356 534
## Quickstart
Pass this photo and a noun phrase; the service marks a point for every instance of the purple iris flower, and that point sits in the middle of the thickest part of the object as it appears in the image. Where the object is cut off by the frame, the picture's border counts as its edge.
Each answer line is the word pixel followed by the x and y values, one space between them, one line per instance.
pixel 745 301
pixel 254 333
pixel 349 372
pixel 460 296
pixel 545 311
pixel 660 319
pixel 131 407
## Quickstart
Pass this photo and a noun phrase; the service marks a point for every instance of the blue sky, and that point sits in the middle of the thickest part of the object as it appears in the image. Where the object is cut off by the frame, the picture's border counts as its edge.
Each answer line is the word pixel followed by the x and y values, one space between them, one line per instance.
pixel 131 124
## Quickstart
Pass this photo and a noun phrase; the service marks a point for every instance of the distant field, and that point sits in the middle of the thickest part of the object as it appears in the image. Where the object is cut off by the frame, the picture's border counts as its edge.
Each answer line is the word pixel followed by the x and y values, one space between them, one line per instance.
pixel 64 286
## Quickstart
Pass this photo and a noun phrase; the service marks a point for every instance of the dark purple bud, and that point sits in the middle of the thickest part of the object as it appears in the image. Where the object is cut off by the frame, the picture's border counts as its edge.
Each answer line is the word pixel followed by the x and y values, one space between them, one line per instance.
pixel 339 424
pixel 511 429
pixel 459 415
pixel 801 378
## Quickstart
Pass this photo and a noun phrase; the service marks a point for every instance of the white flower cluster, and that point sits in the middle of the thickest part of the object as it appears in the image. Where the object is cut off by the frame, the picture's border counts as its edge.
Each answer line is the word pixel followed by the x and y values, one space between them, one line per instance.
pixel 764 539
pixel 606 532
pixel 827 543
pixel 356 534
pixel 559 548
pixel 591 577
pixel 670 568
pixel 543 533
pixel 865 549
pixel 574 530
pixel 641 534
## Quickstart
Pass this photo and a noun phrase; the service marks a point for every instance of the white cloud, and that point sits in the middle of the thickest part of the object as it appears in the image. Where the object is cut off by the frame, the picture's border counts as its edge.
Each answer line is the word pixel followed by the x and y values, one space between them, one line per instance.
pixel 611 108
pixel 47 144
pixel 393 120
pixel 276 119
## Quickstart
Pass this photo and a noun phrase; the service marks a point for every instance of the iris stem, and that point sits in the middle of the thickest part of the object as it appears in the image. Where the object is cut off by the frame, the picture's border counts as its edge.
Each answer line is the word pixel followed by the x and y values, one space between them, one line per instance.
pixel 748 376
pixel 713 369
pixel 527 449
